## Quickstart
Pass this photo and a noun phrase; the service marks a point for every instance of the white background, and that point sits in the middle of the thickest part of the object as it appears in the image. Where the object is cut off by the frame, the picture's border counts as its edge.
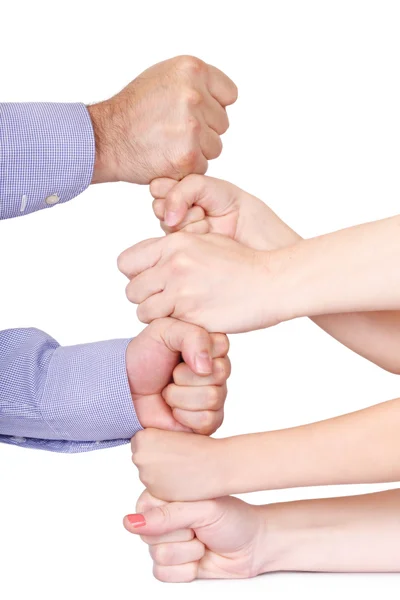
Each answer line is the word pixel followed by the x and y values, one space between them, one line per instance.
pixel 315 133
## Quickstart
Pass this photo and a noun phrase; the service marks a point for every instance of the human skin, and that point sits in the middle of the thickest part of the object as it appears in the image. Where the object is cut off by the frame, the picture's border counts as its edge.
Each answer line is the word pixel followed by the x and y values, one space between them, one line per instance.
pixel 167 122
pixel 200 204
pixel 230 539
pixel 177 375
pixel 221 285
pixel 360 447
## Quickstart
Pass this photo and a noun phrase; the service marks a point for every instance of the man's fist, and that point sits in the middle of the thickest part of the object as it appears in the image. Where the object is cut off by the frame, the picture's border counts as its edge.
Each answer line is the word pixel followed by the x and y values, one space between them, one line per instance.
pixel 177 375
pixel 165 123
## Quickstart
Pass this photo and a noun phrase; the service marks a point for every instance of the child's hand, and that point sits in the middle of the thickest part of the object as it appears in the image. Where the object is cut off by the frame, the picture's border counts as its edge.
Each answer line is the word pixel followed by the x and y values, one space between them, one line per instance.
pixel 200 204
pixel 213 539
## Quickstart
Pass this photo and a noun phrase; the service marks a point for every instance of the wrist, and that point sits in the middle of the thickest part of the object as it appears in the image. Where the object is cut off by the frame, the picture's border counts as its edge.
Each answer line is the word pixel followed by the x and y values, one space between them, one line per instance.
pixel 276 300
pixel 105 169
pixel 239 462
pixel 291 541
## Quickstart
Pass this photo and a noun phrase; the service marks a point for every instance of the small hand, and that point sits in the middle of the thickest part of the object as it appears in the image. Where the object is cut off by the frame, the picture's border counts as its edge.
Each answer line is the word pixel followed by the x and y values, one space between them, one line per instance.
pixel 181 466
pixel 200 204
pixel 165 123
pixel 213 539
pixel 208 280
pixel 175 395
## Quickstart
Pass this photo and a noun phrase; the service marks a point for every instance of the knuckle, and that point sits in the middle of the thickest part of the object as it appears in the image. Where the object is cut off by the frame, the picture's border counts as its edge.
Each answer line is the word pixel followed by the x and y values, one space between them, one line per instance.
pixel 193 97
pixel 142 314
pixel 179 262
pixel 221 370
pixel 130 292
pixel 214 397
pixel 187 160
pixel 140 438
pixel 168 393
pixel 206 420
pixel 190 64
pixel 162 554
pixel 122 263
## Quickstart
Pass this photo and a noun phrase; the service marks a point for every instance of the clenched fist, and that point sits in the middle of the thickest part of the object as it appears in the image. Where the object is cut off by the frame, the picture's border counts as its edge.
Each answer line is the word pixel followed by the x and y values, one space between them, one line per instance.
pixel 171 370
pixel 165 123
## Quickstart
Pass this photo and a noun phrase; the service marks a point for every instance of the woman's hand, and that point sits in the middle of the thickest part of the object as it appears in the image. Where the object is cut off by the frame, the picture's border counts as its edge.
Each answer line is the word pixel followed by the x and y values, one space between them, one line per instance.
pixel 213 539
pixel 199 204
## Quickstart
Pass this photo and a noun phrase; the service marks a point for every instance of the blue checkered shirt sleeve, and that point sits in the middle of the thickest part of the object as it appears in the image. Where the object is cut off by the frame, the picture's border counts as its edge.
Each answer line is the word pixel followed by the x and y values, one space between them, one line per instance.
pixel 63 399
pixel 47 153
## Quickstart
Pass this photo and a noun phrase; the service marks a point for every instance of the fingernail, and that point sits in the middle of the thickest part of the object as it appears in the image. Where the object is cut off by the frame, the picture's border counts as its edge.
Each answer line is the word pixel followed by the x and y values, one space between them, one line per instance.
pixel 136 520
pixel 170 218
pixel 203 363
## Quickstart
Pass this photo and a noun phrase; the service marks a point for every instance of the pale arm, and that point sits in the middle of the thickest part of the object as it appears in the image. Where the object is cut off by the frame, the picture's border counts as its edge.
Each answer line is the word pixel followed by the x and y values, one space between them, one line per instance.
pixel 361 447
pixel 350 534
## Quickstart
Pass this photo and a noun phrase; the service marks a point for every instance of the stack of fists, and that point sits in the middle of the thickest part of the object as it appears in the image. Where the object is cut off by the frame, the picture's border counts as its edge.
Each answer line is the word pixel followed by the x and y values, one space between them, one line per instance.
pixel 229 264
pixel 215 538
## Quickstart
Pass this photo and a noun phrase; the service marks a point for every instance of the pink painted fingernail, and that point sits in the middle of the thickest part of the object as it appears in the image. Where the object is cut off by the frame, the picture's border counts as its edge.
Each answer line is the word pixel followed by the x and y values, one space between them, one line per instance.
pixel 136 520
pixel 203 363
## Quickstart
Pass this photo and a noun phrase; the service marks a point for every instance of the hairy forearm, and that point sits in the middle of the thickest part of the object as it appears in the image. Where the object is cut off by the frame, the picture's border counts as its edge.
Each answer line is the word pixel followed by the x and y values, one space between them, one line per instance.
pixel 350 534
pixel 361 447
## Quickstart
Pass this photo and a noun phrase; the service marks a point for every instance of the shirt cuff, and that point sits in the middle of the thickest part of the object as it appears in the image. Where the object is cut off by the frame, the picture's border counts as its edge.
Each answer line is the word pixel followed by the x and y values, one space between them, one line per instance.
pixel 86 396
pixel 47 154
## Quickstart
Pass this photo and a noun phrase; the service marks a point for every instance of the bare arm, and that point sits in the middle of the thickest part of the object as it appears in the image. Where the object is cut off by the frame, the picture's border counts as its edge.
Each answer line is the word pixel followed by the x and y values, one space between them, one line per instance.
pixel 349 534
pixel 204 204
pixel 360 447
pixel 230 539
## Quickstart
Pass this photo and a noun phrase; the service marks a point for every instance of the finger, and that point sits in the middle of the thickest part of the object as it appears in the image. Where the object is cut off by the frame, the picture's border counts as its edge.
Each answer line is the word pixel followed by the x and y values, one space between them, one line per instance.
pixel 210 143
pixel 209 397
pixel 158 208
pixel 178 553
pixel 203 422
pixel 172 516
pixel 199 228
pixel 160 187
pixel 146 284
pixel 221 370
pixel 221 87
pixel 215 115
pixel 155 307
pixel 140 257
pixel 176 574
pixel 220 345
pixel 146 502
pixel 193 342
pixel 152 411
pixel 193 215
pixel 182 197
pixel 180 535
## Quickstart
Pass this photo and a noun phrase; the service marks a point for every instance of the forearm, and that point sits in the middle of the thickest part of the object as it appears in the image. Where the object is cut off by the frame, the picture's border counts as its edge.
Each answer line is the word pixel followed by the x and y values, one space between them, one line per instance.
pixel 64 399
pixel 352 270
pixel 46 155
pixel 373 335
pixel 349 534
pixel 361 447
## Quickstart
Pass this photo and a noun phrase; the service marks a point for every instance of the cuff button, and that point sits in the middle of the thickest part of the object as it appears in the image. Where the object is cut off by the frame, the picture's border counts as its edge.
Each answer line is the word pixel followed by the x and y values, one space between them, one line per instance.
pixel 53 199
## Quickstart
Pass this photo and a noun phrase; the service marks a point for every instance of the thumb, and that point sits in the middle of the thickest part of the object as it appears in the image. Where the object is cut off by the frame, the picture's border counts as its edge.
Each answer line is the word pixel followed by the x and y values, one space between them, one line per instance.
pixel 181 197
pixel 214 196
pixel 193 342
pixel 170 517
